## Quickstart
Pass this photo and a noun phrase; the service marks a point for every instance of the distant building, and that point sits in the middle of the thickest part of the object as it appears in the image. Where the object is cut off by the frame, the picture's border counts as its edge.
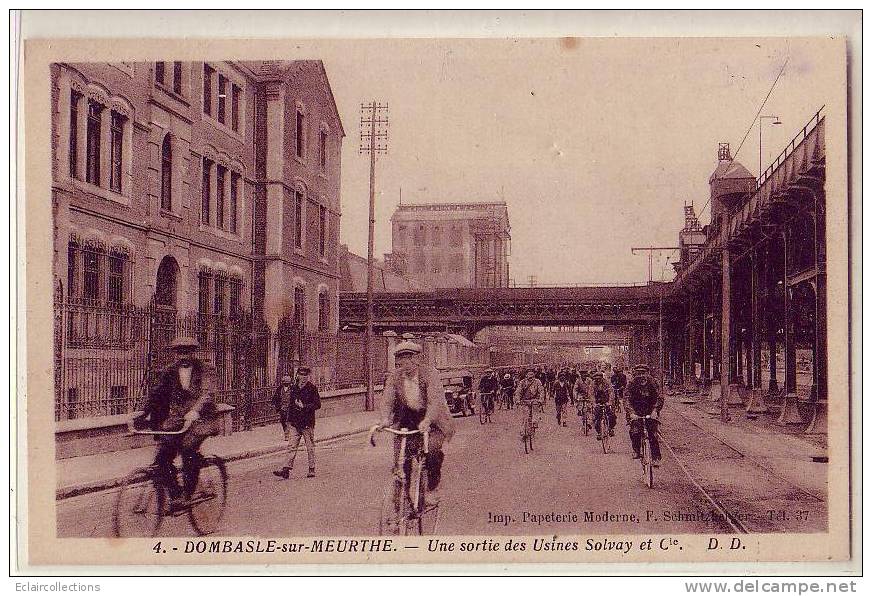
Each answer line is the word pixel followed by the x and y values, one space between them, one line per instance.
pixel 352 275
pixel 452 245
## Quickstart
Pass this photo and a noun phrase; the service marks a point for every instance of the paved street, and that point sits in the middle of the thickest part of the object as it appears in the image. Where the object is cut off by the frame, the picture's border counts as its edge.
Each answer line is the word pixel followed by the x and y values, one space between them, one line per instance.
pixel 487 477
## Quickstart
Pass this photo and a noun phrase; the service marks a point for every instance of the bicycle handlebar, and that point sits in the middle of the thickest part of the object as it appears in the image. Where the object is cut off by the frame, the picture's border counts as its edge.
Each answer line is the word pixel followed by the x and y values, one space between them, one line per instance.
pixel 185 427
pixel 400 432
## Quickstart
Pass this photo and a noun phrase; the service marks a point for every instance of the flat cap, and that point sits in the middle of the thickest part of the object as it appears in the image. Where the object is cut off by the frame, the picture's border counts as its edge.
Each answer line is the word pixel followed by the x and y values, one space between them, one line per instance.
pixel 184 343
pixel 407 347
pixel 303 370
pixel 286 379
pixel 641 368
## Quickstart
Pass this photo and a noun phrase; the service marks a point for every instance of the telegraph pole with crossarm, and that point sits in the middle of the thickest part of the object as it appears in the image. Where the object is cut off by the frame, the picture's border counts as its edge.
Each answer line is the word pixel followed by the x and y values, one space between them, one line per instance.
pixel 373 140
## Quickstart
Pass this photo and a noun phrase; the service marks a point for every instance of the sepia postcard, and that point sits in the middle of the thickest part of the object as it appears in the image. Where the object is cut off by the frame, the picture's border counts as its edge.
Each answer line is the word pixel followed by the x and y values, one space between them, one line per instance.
pixel 544 294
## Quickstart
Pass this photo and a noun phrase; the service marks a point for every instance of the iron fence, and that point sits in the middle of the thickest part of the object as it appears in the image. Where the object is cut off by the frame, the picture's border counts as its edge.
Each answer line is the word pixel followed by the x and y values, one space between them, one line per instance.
pixel 107 357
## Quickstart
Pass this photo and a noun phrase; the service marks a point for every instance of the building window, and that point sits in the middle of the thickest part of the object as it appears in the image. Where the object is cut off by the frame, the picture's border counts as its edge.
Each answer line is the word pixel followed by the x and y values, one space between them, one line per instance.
pixel 300 131
pixel 234 200
pixel 115 295
pixel 74 133
pixel 437 265
pixel 455 237
pixel 299 308
pixel 220 283
pixel 222 97
pixel 72 270
pixel 91 279
pixel 437 236
pixel 159 72
pixel 207 89
pixel 234 107
pixel 322 230
pixel 166 174
pixel 322 150
pixel 298 219
pixel 220 175
pixel 323 311
pixel 205 207
pixel 419 236
pixel 235 305
pixel 116 146
pixel 92 167
pixel 203 279
pixel 177 78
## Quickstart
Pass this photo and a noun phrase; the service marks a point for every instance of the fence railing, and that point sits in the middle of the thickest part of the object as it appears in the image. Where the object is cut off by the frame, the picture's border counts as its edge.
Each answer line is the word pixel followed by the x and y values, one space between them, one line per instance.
pixel 107 357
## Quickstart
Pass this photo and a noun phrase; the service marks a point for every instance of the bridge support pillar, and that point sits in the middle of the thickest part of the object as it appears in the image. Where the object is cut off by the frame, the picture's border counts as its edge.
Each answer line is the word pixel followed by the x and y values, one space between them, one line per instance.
pixel 392 340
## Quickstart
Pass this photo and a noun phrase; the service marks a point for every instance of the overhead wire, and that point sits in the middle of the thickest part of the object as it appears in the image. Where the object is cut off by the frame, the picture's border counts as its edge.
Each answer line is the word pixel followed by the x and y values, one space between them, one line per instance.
pixel 753 121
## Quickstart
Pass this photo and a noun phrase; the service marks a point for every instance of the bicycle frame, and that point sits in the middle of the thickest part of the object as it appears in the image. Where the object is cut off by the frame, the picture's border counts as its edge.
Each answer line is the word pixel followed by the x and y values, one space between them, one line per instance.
pixel 410 487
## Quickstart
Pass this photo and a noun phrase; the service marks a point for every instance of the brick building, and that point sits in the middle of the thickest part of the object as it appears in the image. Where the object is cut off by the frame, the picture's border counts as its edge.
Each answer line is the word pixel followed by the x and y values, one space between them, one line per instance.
pixel 212 187
pixel 452 245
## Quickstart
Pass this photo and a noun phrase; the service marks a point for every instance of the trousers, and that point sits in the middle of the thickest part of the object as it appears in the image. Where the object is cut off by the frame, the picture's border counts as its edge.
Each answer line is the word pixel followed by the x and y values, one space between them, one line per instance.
pixel 293 435
pixel 189 447
pixel 598 412
pixel 636 435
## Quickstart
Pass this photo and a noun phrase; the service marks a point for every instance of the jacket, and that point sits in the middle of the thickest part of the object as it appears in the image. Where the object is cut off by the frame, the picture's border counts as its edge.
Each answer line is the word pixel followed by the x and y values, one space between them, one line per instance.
pixel 168 402
pixel 643 399
pixel 619 380
pixel 299 417
pixel 562 392
pixel 435 411
pixel 488 385
pixel 530 390
pixel 602 392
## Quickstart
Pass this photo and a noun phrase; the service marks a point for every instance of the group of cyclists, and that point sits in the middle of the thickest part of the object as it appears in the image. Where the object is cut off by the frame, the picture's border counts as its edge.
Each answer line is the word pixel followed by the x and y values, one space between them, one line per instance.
pixel 593 391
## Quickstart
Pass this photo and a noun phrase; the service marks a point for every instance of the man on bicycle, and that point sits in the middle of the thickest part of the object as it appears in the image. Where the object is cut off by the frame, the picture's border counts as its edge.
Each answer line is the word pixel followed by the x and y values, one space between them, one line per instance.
pixel 183 394
pixel 414 398
pixel 487 389
pixel 507 386
pixel 530 390
pixel 619 383
pixel 602 397
pixel 562 396
pixel 643 399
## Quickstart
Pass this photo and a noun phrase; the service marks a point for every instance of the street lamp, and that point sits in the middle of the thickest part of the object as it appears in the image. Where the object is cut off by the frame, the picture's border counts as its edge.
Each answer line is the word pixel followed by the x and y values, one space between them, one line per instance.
pixel 760 127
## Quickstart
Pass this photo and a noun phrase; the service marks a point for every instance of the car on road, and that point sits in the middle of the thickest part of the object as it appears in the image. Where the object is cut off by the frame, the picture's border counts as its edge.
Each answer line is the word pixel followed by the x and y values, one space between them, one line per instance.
pixel 459 394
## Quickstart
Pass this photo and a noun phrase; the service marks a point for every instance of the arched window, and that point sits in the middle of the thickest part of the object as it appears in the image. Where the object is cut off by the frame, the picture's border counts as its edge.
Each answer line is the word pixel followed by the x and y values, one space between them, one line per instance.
pixel 323 310
pixel 166 175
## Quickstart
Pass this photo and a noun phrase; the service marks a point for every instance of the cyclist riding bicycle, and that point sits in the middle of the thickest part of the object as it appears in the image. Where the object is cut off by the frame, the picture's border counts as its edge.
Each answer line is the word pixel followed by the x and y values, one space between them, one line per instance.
pixel 643 399
pixel 619 383
pixel 562 396
pixel 581 391
pixel 602 397
pixel 183 394
pixel 487 388
pixel 507 386
pixel 414 398
pixel 530 390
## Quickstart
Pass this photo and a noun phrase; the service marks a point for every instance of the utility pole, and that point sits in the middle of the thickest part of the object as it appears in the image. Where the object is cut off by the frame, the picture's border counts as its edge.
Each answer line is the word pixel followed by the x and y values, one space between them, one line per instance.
pixel 373 140
pixel 650 250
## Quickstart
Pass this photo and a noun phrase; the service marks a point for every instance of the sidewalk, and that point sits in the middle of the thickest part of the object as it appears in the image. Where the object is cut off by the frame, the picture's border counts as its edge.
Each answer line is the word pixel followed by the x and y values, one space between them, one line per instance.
pixel 90 473
pixel 794 457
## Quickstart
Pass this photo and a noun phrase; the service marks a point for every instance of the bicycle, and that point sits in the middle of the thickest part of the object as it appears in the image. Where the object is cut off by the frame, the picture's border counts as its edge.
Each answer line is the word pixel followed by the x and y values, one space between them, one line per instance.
pixel 584 413
pixel 507 398
pixel 602 413
pixel 404 506
pixel 528 427
pixel 487 407
pixel 645 452
pixel 142 503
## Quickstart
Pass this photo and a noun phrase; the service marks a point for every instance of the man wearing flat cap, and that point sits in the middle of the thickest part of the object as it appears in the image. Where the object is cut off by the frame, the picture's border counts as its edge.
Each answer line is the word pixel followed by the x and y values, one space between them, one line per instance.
pixel 183 394
pixel 643 399
pixel 299 418
pixel 414 398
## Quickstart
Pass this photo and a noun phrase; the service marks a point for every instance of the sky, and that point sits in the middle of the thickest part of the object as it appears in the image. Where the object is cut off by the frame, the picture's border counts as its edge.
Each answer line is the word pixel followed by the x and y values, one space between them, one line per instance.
pixel 595 144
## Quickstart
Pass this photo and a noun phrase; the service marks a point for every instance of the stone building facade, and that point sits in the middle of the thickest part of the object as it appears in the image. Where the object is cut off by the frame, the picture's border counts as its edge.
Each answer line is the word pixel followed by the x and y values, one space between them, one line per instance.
pixel 452 245
pixel 209 187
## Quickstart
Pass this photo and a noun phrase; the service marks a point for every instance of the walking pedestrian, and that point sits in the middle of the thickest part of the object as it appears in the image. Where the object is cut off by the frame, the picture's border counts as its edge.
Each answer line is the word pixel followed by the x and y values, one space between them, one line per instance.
pixel 562 395
pixel 303 401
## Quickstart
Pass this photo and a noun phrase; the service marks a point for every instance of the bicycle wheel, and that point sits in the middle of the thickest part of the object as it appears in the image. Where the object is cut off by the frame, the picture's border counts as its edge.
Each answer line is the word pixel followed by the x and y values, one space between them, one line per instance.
pixel 422 517
pixel 210 496
pixel 139 506
pixel 647 468
pixel 391 511
pixel 585 424
pixel 605 441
